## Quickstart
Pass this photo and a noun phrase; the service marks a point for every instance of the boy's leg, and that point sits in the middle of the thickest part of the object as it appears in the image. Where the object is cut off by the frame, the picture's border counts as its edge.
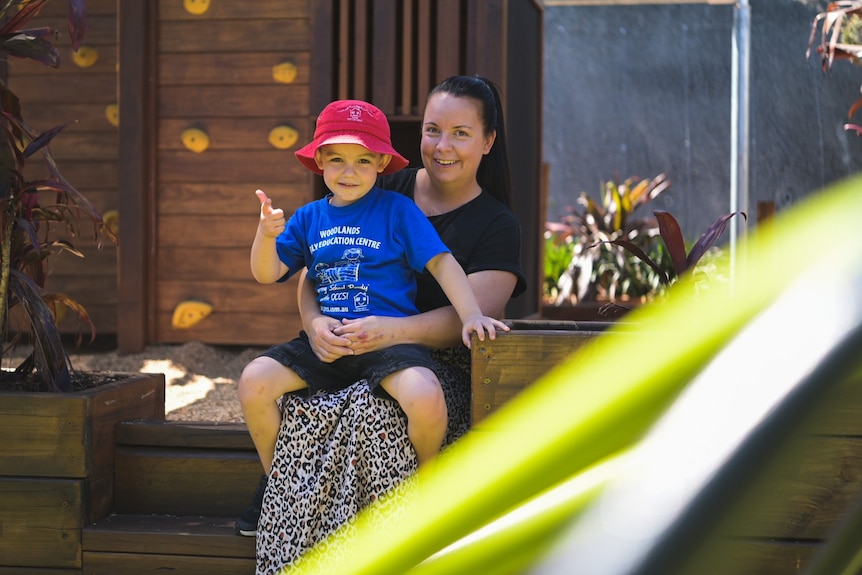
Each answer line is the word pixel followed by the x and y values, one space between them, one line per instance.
pixel 263 381
pixel 417 390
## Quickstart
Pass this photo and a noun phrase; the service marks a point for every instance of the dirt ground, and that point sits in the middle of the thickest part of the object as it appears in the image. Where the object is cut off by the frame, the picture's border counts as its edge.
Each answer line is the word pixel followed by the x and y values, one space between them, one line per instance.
pixel 200 379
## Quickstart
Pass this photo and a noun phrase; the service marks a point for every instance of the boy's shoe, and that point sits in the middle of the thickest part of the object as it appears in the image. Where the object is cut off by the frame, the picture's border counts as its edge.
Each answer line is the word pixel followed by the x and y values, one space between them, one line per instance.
pixel 246 525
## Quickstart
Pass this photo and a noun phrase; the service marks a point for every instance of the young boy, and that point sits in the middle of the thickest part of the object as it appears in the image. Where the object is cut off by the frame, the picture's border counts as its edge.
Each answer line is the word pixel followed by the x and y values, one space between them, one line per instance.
pixel 362 246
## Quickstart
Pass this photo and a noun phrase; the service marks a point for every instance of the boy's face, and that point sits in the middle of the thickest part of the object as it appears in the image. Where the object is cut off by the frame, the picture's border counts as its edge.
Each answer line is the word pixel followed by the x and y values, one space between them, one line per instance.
pixel 349 170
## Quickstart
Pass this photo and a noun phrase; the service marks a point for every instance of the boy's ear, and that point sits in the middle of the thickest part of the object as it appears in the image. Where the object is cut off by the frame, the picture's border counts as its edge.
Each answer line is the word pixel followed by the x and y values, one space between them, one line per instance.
pixel 384 161
pixel 317 159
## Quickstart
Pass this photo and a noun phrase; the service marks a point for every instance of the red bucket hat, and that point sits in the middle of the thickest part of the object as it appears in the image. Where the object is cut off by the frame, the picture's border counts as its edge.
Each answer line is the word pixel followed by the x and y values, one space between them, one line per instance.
pixel 352 122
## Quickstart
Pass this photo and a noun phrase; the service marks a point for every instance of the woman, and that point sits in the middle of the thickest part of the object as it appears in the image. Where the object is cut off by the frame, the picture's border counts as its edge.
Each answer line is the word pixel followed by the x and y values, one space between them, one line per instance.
pixel 337 453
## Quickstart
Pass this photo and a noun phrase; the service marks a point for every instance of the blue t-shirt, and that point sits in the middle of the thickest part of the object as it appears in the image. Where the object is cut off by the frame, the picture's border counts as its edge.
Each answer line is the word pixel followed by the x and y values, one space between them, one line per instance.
pixel 364 257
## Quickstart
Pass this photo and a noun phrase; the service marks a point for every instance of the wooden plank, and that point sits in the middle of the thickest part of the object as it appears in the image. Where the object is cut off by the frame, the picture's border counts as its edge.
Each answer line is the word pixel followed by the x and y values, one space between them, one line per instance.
pixel 242 295
pixel 756 557
pixel 103 316
pixel 226 68
pixel 43 435
pixel 41 520
pixel 94 7
pixel 841 412
pixel 361 50
pixel 37 571
pixel 185 481
pixel 101 174
pixel 487 55
pixel 235 231
pixel 90 117
pixel 197 434
pixel 802 495
pixel 229 198
pixel 424 50
pixel 344 61
pixel 99 563
pixel 106 63
pixel 136 25
pixel 103 199
pixel 383 61
pixel 321 86
pixel 405 94
pixel 230 167
pixel 77 146
pixel 199 263
pixel 86 289
pixel 101 27
pixel 270 9
pixel 448 41
pixel 254 329
pixel 265 35
pixel 233 133
pixel 504 367
pixel 232 101
pixel 73 88
pixel 97 262
pixel 167 534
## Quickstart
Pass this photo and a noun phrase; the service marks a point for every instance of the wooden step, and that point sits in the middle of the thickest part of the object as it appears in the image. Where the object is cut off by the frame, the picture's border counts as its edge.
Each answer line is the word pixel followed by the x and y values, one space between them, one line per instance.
pixel 184 468
pixel 138 544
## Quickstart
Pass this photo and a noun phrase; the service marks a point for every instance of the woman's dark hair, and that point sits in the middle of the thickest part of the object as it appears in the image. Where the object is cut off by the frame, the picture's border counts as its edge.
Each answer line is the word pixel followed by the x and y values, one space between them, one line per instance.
pixel 493 173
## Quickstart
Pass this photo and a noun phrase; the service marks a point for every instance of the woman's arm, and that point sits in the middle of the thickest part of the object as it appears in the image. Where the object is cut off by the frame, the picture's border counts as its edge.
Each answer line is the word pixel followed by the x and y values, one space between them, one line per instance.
pixel 438 328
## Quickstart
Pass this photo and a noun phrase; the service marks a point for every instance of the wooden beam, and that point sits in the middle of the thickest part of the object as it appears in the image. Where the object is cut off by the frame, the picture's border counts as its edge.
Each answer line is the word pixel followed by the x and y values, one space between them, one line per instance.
pixel 137 43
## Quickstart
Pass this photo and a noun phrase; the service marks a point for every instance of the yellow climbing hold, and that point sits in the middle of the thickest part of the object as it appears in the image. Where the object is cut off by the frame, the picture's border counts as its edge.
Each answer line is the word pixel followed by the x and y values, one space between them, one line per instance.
pixel 112 113
pixel 196 140
pixel 111 219
pixel 85 56
pixel 189 313
pixel 283 137
pixel 196 7
pixel 284 72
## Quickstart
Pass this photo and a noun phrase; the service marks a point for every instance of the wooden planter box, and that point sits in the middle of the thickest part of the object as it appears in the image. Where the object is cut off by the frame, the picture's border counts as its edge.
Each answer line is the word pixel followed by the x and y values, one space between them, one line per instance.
pixel 503 367
pixel 57 466
pixel 587 311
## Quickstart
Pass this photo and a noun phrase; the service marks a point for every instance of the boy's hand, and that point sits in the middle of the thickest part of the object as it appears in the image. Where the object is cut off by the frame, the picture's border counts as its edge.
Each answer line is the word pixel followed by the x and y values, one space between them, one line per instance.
pixel 325 343
pixel 480 324
pixel 271 220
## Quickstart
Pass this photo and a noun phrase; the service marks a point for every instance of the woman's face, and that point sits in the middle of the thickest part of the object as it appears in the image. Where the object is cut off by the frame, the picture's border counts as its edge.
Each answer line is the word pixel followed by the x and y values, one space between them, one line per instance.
pixel 453 139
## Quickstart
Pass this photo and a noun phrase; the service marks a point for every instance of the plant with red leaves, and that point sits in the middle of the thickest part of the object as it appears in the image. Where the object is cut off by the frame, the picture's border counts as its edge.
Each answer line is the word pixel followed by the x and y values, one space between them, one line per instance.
pixel 25 242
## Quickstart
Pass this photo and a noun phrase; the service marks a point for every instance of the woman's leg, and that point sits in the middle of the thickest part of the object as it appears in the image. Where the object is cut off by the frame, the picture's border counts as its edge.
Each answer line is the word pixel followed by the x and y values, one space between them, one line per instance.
pixel 263 381
pixel 417 390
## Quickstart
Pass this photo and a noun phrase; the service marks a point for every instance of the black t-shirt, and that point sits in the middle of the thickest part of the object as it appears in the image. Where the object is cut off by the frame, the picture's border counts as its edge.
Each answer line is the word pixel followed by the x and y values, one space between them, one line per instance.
pixel 483 234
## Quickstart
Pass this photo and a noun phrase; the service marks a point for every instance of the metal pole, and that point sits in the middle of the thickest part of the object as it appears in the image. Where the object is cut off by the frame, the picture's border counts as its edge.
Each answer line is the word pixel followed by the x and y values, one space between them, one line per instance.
pixel 739 111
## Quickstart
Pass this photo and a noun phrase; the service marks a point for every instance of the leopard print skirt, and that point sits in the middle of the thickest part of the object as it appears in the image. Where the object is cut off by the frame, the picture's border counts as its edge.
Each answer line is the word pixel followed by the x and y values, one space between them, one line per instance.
pixel 338 452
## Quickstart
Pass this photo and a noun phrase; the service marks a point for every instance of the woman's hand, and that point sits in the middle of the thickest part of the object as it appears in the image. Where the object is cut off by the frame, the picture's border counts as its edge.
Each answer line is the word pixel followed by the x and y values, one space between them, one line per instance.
pixel 369 333
pixel 326 344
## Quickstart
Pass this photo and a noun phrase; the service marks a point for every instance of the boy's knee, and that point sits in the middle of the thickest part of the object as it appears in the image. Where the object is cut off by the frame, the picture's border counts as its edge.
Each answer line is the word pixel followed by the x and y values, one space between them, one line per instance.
pixel 425 394
pixel 252 383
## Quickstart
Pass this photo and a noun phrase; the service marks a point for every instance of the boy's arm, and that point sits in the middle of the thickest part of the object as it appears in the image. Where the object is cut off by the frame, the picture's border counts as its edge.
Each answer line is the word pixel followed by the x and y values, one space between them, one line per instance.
pixel 266 266
pixel 449 274
pixel 327 346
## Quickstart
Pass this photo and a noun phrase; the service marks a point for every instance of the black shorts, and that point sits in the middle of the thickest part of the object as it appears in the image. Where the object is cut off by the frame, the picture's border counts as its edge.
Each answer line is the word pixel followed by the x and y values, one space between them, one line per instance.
pixel 373 366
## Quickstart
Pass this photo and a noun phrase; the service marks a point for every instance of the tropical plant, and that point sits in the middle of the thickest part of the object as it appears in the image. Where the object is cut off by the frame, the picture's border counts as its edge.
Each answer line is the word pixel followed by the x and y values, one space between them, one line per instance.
pixel 607 272
pixel 840 27
pixel 35 212
pixel 671 234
